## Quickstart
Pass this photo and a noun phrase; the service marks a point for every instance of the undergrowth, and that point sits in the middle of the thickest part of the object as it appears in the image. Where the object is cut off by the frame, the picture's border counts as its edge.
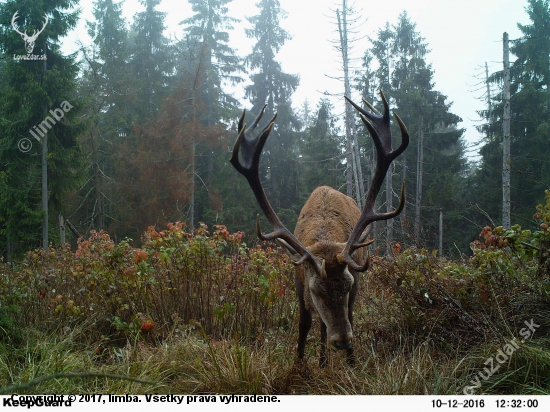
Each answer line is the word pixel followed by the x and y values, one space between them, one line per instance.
pixel 200 312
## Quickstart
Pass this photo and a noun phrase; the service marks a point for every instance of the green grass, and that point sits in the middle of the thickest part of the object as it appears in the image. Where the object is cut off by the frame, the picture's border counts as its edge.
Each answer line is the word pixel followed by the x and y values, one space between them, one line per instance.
pixel 188 363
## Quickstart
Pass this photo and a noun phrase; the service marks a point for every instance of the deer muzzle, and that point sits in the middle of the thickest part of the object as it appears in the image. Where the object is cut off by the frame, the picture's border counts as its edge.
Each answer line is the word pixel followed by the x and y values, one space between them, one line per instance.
pixel 341 342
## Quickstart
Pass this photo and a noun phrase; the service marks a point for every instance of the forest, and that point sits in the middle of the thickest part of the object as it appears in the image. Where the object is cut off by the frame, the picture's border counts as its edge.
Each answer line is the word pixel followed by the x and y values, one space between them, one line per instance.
pixel 128 241
pixel 152 123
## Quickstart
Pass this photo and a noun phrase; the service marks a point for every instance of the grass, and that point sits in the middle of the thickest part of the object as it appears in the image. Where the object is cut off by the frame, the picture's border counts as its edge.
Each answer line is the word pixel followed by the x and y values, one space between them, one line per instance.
pixel 187 363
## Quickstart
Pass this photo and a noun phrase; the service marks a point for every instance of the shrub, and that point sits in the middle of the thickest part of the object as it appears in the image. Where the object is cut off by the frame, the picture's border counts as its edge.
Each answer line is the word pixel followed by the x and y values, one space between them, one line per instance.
pixel 175 277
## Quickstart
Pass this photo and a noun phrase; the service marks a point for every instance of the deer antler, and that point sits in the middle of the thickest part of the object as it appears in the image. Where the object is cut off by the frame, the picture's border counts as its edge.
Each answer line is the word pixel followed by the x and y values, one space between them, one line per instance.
pixel 35 34
pixel 15 16
pixel 251 150
pixel 29 40
pixel 378 126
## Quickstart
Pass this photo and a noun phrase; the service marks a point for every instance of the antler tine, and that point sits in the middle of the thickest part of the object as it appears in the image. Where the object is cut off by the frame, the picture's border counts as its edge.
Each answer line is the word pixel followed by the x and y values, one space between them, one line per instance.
pixel 36 33
pixel 404 136
pixel 13 19
pixel 378 125
pixel 365 234
pixel 375 115
pixel 257 120
pixel 43 27
pixel 371 107
pixel 251 150
pixel 241 123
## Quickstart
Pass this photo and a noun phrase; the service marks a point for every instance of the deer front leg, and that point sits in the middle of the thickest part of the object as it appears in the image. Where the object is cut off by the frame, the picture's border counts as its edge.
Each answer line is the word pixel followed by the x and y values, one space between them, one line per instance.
pixel 323 356
pixel 303 330
pixel 351 301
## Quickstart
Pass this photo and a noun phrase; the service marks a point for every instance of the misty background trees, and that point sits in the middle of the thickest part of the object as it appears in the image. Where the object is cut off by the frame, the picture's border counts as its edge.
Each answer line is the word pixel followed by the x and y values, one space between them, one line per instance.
pixel 153 124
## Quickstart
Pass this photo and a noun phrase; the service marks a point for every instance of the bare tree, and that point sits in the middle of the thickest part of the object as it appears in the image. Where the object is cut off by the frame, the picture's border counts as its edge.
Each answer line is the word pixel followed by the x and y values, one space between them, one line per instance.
pixel 419 171
pixel 354 173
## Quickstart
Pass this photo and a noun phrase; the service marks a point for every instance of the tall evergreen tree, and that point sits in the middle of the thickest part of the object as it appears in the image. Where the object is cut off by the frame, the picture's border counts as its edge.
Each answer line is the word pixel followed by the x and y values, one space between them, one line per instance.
pixel 218 66
pixel 33 92
pixel 209 29
pixel 271 86
pixel 149 81
pixel 108 63
pixel 530 125
pixel 407 79
pixel 151 59
pixel 321 152
pixel 106 84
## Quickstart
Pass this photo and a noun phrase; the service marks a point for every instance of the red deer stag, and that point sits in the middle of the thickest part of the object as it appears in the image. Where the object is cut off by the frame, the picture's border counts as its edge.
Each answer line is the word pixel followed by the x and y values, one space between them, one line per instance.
pixel 329 240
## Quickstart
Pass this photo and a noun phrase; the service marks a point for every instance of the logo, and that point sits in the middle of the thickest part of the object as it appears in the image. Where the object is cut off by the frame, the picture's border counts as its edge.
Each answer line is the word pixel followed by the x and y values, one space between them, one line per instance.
pixel 29 40
pixel 41 129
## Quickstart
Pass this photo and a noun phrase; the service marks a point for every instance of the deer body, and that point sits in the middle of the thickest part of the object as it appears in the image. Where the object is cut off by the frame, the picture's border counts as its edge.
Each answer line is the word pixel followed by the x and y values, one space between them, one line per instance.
pixel 324 225
pixel 330 236
pixel 327 215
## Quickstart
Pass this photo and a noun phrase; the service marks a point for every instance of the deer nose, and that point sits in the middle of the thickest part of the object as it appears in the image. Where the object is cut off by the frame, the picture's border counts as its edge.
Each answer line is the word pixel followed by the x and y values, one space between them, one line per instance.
pixel 341 343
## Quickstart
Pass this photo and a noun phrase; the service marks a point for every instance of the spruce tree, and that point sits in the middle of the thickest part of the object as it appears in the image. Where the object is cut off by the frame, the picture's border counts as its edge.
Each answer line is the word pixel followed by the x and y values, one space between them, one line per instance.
pixel 321 156
pixel 216 67
pixel 530 126
pixel 407 80
pixel 106 85
pixel 272 86
pixel 209 29
pixel 151 60
pixel 34 95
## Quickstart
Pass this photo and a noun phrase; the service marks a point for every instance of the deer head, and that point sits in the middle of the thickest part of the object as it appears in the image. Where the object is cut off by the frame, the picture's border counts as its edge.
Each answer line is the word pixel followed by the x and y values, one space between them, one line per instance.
pixel 29 40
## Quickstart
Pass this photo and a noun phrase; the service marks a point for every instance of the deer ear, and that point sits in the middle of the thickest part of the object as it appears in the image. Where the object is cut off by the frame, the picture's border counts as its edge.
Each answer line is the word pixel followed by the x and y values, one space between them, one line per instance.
pixel 289 250
pixel 340 245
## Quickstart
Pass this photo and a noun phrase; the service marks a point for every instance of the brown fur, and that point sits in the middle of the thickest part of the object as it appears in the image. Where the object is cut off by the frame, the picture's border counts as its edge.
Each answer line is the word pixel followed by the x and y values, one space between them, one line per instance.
pixel 327 215
pixel 324 226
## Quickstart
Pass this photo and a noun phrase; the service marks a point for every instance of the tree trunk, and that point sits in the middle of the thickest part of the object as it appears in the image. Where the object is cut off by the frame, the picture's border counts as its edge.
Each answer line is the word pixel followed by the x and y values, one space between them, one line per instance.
pixel 506 139
pixel 389 208
pixel 195 128
pixel 404 212
pixel 349 170
pixel 353 157
pixel 192 205
pixel 45 240
pixel 61 230
pixel 99 221
pixel 419 171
